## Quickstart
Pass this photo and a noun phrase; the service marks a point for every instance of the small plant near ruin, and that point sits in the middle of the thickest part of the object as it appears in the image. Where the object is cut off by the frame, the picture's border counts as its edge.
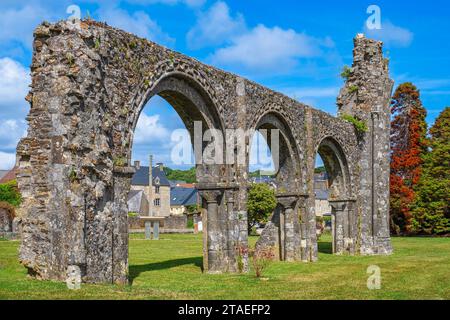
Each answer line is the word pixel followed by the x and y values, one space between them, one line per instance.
pixel 241 253
pixel 353 89
pixel 359 125
pixel 97 44
pixel 172 57
pixel 133 44
pixel 70 59
pixel 261 259
pixel 120 161
pixel 72 175
pixel 346 72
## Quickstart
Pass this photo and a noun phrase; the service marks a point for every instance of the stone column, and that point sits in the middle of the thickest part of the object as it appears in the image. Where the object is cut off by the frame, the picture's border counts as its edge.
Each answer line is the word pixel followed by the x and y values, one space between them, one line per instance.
pixel 119 235
pixel 303 228
pixel 338 225
pixel 233 245
pixel 288 219
pixel 215 237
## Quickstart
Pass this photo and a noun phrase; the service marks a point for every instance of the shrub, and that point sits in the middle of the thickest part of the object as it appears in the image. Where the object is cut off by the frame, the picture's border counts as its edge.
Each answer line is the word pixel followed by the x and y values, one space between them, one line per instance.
pixel 11 211
pixel 359 125
pixel 346 72
pixel 261 258
pixel 353 89
pixel 10 193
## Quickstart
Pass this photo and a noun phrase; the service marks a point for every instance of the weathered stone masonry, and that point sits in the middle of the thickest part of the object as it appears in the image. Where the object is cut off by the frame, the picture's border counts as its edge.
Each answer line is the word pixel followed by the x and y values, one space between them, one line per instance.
pixel 89 85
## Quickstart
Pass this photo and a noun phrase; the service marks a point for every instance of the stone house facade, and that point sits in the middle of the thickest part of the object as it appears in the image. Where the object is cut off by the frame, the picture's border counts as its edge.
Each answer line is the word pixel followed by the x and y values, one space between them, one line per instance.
pixel 159 194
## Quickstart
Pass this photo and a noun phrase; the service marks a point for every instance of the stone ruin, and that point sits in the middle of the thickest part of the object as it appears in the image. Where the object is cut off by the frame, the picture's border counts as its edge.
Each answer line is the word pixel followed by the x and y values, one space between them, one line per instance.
pixel 89 84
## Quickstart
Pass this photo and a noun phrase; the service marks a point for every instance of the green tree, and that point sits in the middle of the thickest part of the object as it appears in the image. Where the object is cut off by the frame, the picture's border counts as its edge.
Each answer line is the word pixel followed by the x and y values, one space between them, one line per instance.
pixel 10 194
pixel 260 204
pixel 183 175
pixel 431 213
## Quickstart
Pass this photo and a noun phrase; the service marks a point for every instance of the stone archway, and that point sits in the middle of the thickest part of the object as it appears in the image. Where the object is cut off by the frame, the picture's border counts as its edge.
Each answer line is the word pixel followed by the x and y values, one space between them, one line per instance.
pixel 287 229
pixel 89 84
pixel 344 219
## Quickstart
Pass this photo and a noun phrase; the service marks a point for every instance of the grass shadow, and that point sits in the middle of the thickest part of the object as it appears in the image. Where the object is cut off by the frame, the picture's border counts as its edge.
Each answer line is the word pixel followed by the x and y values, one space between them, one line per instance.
pixel 136 270
pixel 325 247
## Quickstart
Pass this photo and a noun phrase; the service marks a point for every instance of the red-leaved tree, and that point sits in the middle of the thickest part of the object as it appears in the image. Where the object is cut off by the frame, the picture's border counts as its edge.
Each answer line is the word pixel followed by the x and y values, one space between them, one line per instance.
pixel 408 146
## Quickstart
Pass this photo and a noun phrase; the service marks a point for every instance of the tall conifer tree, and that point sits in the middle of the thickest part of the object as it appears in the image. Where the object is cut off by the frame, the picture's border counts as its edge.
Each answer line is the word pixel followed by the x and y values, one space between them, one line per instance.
pixel 408 145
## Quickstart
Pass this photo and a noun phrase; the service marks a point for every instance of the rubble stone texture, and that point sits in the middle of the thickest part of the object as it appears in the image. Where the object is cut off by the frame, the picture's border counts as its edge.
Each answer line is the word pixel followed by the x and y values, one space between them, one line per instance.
pixel 89 84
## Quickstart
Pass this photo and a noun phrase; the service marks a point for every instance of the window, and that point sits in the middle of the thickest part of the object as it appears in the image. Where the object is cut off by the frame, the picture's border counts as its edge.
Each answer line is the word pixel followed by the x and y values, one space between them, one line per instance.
pixel 157 189
pixel 157 202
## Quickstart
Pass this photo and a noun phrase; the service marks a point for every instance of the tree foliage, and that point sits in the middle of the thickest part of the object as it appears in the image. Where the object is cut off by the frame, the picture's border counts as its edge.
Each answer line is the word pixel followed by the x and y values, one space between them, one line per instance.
pixel 409 145
pixel 260 204
pixel 431 213
pixel 182 175
pixel 10 193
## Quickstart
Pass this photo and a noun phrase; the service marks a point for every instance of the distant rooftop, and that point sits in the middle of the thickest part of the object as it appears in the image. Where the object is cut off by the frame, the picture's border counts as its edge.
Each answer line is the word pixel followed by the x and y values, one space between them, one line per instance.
pixel 183 196
pixel 8 176
pixel 140 178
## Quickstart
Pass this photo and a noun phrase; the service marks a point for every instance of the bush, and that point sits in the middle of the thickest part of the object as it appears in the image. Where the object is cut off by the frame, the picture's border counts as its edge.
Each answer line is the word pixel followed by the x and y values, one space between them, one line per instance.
pixel 359 125
pixel 260 205
pixel 261 258
pixel 11 211
pixel 346 72
pixel 10 193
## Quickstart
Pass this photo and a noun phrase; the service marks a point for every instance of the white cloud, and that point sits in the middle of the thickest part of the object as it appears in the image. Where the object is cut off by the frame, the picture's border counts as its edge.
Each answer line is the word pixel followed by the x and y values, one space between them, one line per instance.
pixel 391 35
pixel 312 92
pixel 149 129
pixel 14 83
pixel 270 49
pixel 190 3
pixel 215 26
pixel 138 23
pixel 10 133
pixel 7 160
pixel 18 24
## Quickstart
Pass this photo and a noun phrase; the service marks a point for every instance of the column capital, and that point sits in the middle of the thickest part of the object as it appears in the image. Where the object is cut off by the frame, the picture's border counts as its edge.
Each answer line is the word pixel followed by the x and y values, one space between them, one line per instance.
pixel 211 195
pixel 287 202
pixel 338 205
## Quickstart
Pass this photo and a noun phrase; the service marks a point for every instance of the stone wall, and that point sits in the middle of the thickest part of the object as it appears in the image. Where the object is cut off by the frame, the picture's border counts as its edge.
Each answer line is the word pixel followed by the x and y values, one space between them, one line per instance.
pixel 90 83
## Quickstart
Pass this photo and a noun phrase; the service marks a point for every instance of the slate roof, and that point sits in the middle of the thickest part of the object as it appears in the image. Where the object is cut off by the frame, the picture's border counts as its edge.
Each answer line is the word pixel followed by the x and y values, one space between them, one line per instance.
pixel 140 178
pixel 183 196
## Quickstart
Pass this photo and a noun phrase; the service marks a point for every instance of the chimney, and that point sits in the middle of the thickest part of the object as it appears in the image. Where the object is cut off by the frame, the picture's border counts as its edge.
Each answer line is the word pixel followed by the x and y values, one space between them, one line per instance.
pixel 137 164
pixel 161 166
pixel 150 187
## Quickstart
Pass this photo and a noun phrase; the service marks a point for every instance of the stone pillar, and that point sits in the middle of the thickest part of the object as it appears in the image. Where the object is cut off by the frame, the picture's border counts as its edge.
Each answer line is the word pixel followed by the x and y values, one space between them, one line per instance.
pixel 288 220
pixel 234 248
pixel 370 103
pixel 119 235
pixel 215 236
pixel 303 228
pixel 344 226
pixel 338 225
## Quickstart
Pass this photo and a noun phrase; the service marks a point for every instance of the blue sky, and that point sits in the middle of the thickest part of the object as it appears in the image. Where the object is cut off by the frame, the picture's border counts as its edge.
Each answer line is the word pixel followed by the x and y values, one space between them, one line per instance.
pixel 296 47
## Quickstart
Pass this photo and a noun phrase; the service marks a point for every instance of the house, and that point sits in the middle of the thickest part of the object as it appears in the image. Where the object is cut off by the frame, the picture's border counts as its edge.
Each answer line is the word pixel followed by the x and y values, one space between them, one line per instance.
pixel 321 181
pixel 157 196
pixel 181 198
pixel 322 205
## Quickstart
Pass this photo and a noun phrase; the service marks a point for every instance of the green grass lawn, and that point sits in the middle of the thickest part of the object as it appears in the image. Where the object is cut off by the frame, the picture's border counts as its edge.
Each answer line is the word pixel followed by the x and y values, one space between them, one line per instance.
pixel 171 269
